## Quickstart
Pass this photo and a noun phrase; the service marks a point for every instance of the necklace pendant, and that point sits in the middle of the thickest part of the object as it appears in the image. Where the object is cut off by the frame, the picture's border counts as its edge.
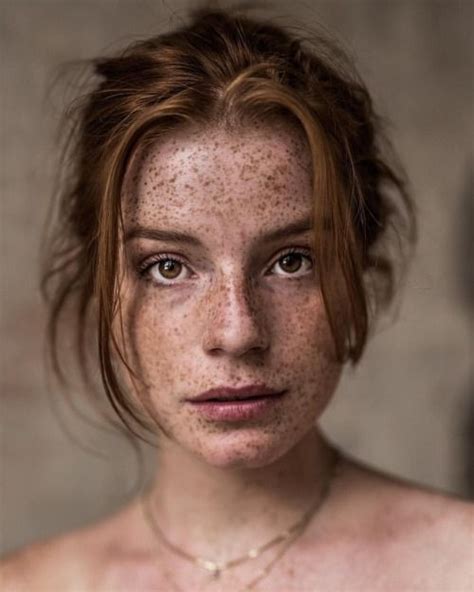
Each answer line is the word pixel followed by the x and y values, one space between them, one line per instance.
pixel 216 573
pixel 212 567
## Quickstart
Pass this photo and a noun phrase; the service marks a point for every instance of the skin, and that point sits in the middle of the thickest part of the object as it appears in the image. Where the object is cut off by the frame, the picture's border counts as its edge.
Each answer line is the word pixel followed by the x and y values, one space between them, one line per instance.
pixel 226 318
pixel 237 313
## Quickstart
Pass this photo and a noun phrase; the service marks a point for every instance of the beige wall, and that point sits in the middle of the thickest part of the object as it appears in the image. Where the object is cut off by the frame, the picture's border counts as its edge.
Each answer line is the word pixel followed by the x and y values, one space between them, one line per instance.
pixel 406 408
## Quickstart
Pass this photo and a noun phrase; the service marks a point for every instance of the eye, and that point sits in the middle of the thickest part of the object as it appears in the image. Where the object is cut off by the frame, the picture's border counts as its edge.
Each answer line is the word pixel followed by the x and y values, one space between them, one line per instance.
pixel 293 261
pixel 163 269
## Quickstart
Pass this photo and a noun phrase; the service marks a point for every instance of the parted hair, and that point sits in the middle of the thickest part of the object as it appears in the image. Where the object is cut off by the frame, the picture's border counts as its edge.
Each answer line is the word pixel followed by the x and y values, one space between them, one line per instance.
pixel 226 68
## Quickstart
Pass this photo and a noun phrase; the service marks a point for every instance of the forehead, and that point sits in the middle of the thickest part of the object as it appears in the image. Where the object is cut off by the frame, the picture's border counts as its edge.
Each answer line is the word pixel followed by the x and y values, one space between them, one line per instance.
pixel 198 175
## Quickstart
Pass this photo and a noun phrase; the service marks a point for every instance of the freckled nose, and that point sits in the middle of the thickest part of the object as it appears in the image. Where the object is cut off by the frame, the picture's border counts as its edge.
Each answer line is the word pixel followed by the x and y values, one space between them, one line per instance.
pixel 233 323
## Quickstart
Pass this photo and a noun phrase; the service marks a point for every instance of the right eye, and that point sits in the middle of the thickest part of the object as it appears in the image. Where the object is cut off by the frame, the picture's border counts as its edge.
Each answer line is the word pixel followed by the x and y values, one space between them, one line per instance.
pixel 163 269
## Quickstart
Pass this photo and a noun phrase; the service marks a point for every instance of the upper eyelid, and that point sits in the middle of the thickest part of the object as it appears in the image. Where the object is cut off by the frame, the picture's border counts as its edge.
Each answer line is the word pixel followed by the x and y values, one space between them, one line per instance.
pixel 169 254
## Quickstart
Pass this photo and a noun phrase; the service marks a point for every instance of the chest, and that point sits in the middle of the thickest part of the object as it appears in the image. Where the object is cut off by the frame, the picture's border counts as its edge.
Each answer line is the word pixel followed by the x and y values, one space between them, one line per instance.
pixel 337 568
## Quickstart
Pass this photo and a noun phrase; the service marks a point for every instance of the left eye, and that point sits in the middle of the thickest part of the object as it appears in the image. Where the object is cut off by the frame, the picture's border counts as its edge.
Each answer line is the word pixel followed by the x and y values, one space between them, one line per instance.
pixel 293 261
pixel 164 268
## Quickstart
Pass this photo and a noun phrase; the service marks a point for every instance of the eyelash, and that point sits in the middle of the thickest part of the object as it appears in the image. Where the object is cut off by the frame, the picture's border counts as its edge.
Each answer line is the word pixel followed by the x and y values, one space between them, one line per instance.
pixel 145 267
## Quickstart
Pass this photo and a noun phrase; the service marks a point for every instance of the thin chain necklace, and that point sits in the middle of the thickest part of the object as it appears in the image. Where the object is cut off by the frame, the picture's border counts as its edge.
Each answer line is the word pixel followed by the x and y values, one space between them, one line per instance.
pixel 215 568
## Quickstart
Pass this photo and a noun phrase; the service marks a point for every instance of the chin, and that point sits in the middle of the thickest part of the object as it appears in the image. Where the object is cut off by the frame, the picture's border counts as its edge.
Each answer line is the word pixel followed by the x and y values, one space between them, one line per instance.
pixel 246 448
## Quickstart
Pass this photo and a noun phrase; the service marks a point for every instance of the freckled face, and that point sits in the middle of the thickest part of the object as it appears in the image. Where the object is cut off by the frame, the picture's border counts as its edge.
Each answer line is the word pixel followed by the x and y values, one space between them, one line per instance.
pixel 230 307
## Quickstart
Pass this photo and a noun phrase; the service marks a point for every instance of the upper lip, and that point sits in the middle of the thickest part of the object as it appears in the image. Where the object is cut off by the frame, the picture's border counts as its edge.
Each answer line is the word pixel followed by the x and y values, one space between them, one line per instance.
pixel 230 392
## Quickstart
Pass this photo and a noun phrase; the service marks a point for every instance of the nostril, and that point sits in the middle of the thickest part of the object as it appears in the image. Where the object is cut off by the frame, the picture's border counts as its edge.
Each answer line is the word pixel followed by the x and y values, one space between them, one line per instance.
pixel 235 321
pixel 237 336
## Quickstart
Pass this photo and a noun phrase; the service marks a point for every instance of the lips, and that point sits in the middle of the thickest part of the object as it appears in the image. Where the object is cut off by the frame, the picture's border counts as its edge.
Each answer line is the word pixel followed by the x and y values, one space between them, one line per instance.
pixel 228 393
pixel 231 404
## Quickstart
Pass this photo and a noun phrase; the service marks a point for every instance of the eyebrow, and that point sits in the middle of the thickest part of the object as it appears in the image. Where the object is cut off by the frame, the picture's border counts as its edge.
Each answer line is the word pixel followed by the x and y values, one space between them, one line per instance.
pixel 175 236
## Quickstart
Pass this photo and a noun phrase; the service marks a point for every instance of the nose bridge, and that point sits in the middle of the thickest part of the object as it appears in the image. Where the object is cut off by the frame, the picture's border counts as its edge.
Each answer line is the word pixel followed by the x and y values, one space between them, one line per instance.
pixel 235 320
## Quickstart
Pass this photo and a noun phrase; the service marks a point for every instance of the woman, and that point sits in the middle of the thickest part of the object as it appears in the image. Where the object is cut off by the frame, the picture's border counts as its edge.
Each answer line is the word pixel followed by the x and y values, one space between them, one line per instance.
pixel 225 233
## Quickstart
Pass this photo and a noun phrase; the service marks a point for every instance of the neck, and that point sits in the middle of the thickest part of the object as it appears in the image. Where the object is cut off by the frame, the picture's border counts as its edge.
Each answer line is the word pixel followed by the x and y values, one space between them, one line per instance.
pixel 197 505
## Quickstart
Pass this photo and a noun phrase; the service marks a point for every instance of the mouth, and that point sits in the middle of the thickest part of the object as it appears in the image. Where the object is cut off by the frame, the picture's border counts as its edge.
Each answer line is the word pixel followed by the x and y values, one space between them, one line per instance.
pixel 240 399
pixel 236 407
pixel 231 394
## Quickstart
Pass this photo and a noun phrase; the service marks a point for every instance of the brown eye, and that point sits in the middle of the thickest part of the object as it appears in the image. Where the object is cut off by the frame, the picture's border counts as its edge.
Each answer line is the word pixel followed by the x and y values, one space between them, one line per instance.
pixel 169 268
pixel 291 262
pixel 164 269
pixel 294 263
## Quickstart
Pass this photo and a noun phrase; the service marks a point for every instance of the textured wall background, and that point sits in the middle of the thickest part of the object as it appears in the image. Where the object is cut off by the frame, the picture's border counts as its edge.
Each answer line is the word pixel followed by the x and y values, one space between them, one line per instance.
pixel 406 409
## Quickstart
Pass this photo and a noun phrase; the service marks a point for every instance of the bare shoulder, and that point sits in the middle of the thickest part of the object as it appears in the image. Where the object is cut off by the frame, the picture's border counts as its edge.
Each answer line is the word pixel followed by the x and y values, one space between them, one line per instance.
pixel 395 498
pixel 52 564
pixel 71 562
pixel 427 533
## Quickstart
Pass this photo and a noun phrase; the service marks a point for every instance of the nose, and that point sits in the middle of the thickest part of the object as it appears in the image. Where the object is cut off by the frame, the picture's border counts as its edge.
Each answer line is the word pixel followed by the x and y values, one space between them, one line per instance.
pixel 234 322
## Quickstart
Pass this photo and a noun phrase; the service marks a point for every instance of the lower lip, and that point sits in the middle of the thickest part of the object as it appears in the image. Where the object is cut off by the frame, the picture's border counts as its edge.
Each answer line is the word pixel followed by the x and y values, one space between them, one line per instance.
pixel 236 410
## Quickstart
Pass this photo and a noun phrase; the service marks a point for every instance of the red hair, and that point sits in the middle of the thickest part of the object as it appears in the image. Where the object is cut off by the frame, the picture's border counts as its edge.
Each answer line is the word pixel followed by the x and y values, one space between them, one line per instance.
pixel 226 69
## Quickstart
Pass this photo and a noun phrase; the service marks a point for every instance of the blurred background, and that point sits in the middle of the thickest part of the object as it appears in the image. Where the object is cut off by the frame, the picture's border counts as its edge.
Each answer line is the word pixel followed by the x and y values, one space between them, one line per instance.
pixel 407 409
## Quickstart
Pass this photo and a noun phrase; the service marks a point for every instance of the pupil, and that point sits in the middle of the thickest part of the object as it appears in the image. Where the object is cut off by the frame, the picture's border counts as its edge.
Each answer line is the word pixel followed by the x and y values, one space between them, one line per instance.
pixel 289 257
pixel 167 267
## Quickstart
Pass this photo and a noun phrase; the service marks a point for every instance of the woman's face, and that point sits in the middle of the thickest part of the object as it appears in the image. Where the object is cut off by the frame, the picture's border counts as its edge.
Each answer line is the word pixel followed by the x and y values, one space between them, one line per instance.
pixel 211 296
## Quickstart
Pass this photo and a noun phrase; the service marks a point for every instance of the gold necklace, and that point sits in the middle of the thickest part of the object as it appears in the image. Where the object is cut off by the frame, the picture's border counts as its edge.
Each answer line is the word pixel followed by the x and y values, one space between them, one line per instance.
pixel 215 567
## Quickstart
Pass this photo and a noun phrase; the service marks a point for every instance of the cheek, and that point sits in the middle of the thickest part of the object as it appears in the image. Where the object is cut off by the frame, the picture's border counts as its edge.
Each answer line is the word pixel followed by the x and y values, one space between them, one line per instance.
pixel 152 340
pixel 164 325
pixel 301 326
pixel 158 336
pixel 306 353
pixel 156 347
pixel 162 339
